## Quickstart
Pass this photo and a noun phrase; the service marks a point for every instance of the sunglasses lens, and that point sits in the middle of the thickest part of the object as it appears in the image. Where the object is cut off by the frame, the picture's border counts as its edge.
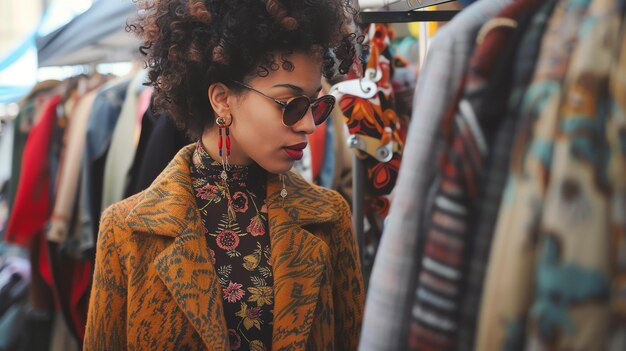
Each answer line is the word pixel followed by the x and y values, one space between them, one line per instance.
pixel 295 110
pixel 322 108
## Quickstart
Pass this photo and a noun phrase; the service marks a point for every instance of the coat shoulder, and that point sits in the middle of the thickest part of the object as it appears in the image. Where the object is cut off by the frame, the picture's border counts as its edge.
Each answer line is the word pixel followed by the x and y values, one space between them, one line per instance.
pixel 114 217
pixel 323 200
pixel 313 190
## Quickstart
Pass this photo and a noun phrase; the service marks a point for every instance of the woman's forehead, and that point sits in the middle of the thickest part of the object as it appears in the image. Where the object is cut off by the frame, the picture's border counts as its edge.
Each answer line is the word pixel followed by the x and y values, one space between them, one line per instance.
pixel 302 76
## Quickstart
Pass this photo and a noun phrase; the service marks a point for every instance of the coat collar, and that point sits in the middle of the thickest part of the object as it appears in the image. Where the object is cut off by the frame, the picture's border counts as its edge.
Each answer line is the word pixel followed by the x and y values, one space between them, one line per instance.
pixel 168 208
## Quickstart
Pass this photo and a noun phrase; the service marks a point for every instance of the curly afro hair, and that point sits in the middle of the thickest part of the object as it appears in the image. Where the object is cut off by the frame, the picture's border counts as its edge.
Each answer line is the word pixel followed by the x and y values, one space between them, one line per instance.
pixel 191 44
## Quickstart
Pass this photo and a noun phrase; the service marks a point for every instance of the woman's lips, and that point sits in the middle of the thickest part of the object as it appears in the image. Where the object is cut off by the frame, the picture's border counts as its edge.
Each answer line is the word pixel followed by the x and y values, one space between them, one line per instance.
pixel 295 151
pixel 294 154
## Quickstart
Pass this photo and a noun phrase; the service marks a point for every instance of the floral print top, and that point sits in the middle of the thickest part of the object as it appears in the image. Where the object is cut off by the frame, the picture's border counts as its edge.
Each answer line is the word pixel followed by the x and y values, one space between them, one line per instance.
pixel 235 224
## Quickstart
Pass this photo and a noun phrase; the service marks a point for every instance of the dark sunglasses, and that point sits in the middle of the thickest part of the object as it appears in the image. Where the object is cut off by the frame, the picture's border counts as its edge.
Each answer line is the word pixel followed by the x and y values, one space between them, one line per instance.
pixel 296 107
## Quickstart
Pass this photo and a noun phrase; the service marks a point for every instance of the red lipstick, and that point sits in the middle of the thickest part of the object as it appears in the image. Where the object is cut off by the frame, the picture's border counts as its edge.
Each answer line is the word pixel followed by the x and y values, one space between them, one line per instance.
pixel 295 151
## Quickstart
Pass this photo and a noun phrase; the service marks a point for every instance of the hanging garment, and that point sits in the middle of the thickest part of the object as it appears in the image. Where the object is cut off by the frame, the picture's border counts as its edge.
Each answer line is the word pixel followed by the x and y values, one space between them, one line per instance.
pixel 123 147
pixel 70 274
pixel 374 120
pixel 336 172
pixel 573 239
pixel 31 209
pixel 375 132
pixel 20 135
pixel 148 122
pixel 58 140
pixel 104 114
pixel 161 145
pixel 509 283
pixel 616 138
pixel 37 331
pixel 37 97
pixel 435 312
pixel 317 144
pixel 12 324
pixel 7 137
pixel 304 166
pixel 14 279
pixel 69 171
pixel 71 279
pixel 387 308
pixel 517 65
pixel 61 338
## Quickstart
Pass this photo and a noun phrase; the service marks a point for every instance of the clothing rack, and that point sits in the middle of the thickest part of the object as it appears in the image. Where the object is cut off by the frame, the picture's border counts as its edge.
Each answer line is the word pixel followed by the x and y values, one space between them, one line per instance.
pixel 406 16
pixel 358 166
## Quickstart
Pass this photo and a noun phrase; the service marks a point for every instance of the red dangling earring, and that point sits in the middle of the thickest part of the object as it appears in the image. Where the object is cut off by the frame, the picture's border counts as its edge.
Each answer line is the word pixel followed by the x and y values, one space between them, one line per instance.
pixel 224 124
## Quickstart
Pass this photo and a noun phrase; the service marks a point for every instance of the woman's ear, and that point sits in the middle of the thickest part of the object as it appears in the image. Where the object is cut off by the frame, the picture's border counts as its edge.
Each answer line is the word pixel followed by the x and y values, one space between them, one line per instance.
pixel 218 95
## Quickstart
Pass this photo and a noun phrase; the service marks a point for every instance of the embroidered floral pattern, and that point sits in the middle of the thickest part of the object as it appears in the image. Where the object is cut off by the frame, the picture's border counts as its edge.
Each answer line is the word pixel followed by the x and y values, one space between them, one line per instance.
pixel 256 227
pixel 233 292
pixel 235 340
pixel 209 192
pixel 262 295
pixel 251 316
pixel 234 215
pixel 240 202
pixel 227 240
pixel 212 256
pixel 257 345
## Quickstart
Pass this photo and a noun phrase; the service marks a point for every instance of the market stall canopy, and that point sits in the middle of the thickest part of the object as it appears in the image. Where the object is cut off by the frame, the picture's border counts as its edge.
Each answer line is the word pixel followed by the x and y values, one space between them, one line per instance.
pixel 96 36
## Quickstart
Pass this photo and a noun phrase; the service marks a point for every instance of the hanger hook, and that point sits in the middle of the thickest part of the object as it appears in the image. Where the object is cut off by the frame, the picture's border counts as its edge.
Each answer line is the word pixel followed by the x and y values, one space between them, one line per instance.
pixel 366 90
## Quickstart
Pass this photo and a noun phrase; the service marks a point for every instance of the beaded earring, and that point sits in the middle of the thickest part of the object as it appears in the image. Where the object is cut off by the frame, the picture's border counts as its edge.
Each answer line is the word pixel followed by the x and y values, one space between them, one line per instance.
pixel 223 125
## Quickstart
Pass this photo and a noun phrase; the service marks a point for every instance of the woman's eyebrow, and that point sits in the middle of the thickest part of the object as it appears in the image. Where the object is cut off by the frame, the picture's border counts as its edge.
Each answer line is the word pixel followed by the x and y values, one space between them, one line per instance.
pixel 296 89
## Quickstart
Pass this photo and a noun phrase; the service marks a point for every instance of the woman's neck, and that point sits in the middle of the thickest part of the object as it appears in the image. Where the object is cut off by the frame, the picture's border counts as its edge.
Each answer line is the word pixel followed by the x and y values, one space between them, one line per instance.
pixel 209 142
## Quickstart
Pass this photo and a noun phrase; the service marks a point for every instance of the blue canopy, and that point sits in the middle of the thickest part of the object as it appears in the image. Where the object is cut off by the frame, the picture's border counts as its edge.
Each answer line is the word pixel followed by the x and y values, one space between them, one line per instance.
pixel 10 94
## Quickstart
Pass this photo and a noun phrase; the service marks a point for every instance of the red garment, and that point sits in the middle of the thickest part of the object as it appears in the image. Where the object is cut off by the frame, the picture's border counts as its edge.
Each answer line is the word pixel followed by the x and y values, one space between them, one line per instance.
pixel 317 143
pixel 72 280
pixel 31 209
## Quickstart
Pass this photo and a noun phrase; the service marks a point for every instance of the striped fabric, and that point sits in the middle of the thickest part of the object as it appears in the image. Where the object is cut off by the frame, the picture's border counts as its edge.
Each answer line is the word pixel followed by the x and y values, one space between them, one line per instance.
pixel 517 68
pixel 395 269
pixel 435 313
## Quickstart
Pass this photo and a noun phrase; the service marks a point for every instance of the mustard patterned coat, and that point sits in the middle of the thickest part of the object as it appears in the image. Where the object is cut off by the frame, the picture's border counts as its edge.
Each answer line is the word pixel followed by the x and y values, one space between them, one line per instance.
pixel 155 288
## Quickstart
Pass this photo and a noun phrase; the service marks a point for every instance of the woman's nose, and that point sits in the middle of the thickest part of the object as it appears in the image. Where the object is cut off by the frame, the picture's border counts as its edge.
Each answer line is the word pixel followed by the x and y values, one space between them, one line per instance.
pixel 306 124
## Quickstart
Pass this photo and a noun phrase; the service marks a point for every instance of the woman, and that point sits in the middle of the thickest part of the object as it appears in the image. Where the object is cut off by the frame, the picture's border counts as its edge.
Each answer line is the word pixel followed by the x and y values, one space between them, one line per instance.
pixel 228 249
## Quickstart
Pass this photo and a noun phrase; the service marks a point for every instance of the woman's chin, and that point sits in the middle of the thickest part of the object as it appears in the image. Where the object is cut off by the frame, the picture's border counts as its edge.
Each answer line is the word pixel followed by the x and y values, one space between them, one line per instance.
pixel 278 167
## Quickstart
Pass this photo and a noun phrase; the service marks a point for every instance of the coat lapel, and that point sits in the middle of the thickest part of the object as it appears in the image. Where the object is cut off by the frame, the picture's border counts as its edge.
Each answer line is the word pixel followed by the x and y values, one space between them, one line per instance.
pixel 168 208
pixel 298 259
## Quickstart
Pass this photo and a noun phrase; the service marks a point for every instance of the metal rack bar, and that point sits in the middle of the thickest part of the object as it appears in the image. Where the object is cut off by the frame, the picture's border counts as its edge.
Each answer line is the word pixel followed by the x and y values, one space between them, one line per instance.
pixel 358 202
pixel 407 16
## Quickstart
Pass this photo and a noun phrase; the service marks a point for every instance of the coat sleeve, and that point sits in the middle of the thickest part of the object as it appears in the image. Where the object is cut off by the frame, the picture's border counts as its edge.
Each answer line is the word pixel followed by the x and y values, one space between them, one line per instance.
pixel 106 319
pixel 348 290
